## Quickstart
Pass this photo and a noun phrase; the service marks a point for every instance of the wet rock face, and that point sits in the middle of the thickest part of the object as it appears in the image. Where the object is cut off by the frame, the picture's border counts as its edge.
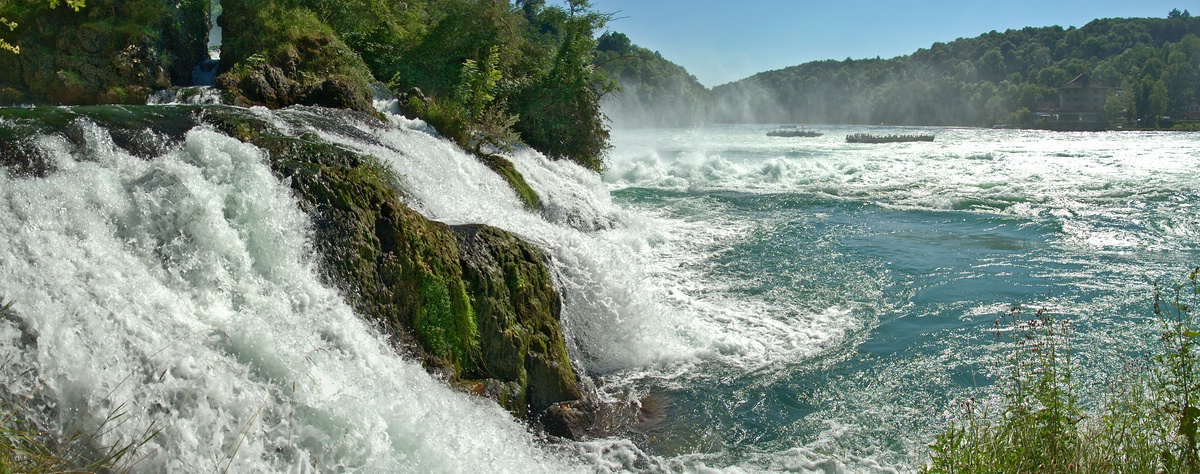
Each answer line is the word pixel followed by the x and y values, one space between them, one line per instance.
pixel 110 52
pixel 474 303
pixel 518 312
pixel 277 56
pixel 271 86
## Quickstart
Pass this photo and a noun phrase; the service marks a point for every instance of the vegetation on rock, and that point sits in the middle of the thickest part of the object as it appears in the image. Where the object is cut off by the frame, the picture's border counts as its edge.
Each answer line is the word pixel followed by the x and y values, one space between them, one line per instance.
pixel 475 303
pixel 276 55
pixel 517 307
pixel 12 25
pixel 492 74
pixel 110 52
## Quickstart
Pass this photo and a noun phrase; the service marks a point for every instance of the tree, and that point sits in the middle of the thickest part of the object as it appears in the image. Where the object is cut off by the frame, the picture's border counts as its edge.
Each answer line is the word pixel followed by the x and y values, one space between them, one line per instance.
pixel 12 25
pixel 560 108
pixel 487 121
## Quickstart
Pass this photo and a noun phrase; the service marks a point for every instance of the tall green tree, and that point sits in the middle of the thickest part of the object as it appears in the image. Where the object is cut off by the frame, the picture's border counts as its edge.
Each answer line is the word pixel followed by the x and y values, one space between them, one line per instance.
pixel 560 107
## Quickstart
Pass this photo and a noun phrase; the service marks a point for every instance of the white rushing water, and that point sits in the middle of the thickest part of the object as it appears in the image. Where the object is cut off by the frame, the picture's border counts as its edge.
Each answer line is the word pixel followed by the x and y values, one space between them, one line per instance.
pixel 179 295
pixel 750 285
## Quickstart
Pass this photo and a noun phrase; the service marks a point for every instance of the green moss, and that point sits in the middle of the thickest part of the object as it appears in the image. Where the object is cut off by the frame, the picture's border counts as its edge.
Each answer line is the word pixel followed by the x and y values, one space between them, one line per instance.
pixel 446 323
pixel 515 180
pixel 70 78
pixel 518 310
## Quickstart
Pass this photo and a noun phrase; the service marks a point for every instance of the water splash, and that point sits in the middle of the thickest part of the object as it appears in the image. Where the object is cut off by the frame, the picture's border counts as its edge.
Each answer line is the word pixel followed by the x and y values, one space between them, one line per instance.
pixel 180 291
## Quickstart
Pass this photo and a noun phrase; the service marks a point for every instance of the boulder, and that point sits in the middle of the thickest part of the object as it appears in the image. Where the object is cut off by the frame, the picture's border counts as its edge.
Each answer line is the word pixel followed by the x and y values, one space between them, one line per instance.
pixel 278 56
pixel 110 52
pixel 475 303
pixel 517 309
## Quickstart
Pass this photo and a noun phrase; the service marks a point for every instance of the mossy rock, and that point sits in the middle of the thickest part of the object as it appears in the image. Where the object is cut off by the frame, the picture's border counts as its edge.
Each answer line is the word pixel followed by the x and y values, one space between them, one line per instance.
pixel 476 303
pixel 473 303
pixel 110 52
pixel 278 55
pixel 516 181
pixel 518 310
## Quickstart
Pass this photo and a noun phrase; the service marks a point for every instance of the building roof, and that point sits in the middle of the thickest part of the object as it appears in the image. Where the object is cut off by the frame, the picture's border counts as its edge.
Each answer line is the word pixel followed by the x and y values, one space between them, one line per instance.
pixel 1081 81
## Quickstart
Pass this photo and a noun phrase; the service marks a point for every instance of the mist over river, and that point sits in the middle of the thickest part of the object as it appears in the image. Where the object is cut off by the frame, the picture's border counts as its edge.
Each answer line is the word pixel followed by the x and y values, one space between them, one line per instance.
pixel 855 286
pixel 773 304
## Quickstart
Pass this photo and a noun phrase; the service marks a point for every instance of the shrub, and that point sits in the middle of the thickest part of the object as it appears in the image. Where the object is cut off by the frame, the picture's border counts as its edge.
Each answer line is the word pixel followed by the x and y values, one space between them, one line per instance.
pixel 1148 420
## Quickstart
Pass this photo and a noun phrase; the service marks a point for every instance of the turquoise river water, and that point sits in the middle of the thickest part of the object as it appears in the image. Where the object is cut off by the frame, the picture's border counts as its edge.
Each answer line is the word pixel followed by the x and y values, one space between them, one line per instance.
pixel 774 304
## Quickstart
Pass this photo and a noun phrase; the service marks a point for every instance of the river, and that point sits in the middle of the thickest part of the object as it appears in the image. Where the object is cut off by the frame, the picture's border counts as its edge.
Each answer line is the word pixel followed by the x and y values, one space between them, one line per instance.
pixel 772 303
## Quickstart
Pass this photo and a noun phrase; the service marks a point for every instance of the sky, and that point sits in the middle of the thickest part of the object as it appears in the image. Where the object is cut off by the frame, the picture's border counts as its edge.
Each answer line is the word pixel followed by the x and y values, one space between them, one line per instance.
pixel 723 41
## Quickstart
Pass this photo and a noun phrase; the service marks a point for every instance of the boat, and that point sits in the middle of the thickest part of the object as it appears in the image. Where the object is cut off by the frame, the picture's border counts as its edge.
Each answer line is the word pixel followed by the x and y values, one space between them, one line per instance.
pixel 870 138
pixel 793 132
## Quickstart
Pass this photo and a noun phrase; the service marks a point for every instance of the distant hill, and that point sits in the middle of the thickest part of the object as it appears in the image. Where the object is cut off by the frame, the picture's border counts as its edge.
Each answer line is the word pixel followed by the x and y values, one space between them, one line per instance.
pixel 654 92
pixel 1150 66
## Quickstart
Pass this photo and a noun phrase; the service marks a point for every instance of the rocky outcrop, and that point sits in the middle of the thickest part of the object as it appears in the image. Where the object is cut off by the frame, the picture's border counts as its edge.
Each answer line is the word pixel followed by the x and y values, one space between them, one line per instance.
pixel 517 309
pixel 475 303
pixel 110 52
pixel 278 56
pixel 501 166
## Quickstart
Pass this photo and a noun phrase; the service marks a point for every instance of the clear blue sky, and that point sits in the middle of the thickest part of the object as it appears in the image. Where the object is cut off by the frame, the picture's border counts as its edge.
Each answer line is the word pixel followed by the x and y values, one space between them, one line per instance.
pixel 723 41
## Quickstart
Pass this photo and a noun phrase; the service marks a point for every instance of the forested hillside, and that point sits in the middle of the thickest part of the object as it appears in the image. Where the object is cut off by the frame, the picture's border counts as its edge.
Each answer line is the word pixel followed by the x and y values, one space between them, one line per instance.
pixel 654 92
pixel 1150 66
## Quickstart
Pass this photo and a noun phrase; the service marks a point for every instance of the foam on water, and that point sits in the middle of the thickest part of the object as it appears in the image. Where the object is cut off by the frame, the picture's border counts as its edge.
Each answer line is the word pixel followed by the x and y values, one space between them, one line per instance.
pixel 730 273
pixel 179 293
pixel 627 304
pixel 1012 164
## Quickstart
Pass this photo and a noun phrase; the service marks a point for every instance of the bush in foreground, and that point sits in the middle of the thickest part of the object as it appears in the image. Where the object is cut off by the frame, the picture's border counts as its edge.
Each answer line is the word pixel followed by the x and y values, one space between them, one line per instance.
pixel 1148 420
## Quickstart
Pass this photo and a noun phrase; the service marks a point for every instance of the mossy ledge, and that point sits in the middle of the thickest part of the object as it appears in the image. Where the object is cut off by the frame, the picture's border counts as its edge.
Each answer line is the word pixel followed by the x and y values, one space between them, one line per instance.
pixel 110 52
pixel 474 303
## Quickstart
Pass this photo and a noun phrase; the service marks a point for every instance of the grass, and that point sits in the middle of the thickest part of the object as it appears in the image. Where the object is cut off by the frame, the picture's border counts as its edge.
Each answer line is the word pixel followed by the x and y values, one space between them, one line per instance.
pixel 24 448
pixel 1148 419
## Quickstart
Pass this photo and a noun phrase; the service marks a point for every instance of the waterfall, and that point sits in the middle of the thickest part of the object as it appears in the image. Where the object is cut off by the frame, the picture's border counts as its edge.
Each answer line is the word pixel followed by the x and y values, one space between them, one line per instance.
pixel 205 73
pixel 179 294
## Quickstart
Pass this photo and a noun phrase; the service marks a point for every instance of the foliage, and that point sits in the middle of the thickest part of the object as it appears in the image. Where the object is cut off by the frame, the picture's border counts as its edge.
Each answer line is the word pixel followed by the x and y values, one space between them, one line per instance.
pixel 1148 421
pixel 654 91
pixel 1176 375
pixel 519 73
pixel 12 25
pixel 279 54
pixel 122 50
pixel 1153 62
pixel 560 107
pixel 5 45
pixel 1037 429
pixel 488 122
pixel 473 59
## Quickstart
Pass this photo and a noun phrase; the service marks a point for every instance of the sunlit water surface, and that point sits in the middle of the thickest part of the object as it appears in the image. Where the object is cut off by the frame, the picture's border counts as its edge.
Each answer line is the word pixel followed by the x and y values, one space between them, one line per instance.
pixel 774 304
pixel 865 280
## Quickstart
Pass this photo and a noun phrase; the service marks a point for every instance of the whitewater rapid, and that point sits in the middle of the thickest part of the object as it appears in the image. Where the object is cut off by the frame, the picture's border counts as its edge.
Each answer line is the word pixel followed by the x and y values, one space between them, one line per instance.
pixel 178 296
pixel 174 301
pixel 783 305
